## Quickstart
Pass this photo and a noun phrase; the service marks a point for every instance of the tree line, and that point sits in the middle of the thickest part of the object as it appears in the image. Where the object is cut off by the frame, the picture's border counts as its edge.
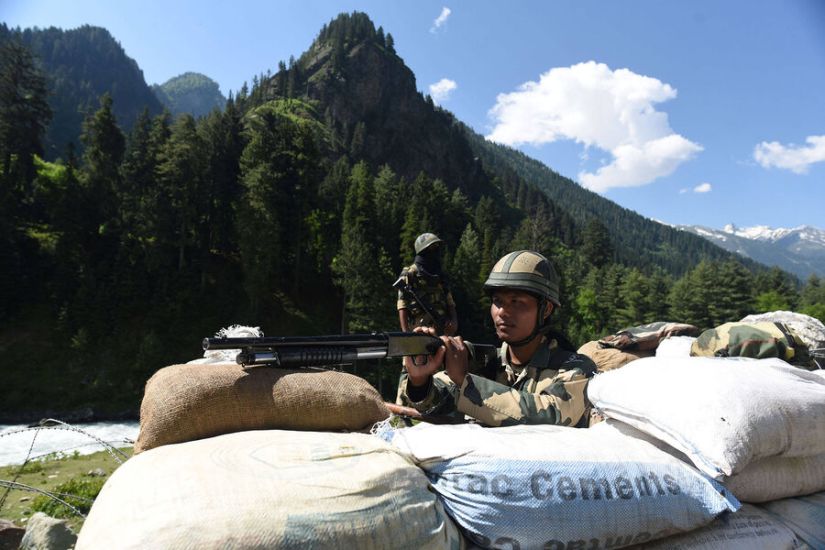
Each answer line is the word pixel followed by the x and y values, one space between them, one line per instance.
pixel 119 260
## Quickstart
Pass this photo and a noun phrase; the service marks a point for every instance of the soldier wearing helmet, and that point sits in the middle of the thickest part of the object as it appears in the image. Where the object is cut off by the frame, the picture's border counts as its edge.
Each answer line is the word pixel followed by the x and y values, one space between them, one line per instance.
pixel 424 298
pixel 536 376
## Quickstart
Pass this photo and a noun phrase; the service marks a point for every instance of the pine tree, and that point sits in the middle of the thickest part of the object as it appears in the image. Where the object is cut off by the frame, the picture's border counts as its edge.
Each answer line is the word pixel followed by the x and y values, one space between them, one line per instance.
pixel 632 302
pixel 24 116
pixel 735 293
pixel 596 245
pixel 362 267
pixel 181 178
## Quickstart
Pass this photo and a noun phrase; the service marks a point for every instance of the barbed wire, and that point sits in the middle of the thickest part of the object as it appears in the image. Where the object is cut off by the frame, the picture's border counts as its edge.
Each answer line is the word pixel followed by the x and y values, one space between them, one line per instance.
pixel 53 424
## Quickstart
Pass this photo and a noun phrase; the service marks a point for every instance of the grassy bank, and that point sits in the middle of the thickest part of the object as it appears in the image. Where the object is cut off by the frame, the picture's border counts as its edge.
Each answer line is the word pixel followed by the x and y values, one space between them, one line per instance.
pixel 77 477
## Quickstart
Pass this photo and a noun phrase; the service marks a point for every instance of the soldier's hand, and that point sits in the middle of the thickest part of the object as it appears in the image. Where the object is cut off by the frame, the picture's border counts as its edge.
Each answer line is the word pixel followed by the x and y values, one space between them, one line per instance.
pixel 421 367
pixel 456 358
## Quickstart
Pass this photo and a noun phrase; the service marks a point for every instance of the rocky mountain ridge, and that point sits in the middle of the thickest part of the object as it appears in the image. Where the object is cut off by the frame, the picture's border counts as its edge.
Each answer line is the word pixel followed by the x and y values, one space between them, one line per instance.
pixel 799 250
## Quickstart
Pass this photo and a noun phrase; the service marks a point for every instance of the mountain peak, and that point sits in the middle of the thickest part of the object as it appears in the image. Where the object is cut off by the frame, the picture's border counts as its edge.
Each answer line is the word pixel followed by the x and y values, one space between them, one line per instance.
pixel 800 250
pixel 350 29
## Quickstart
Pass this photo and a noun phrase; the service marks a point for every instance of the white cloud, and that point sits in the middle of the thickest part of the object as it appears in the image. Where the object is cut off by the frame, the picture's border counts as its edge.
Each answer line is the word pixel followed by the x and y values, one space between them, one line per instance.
pixel 596 106
pixel 703 188
pixel 797 159
pixel 441 20
pixel 683 190
pixel 441 90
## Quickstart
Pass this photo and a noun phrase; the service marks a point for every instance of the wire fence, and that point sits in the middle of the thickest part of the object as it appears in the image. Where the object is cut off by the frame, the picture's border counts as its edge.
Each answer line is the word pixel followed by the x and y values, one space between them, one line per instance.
pixel 30 456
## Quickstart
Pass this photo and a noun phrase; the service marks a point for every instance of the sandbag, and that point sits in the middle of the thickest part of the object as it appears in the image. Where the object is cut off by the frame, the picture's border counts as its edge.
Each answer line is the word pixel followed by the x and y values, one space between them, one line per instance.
pixel 269 489
pixel 610 358
pixel 545 486
pixel 760 481
pixel 805 516
pixel 754 340
pixel 675 346
pixel 722 413
pixel 778 477
pixel 188 402
pixel 748 529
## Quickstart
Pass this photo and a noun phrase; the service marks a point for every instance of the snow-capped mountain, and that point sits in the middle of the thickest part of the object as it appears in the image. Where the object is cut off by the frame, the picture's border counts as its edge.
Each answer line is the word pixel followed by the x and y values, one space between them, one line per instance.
pixel 800 250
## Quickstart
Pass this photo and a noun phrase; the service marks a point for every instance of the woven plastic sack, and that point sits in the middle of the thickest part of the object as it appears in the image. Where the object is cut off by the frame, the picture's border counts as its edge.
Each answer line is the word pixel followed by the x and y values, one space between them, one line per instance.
pixel 675 346
pixel 269 489
pixel 187 402
pixel 779 477
pixel 761 481
pixel 722 413
pixel 542 486
pixel 805 516
pixel 748 529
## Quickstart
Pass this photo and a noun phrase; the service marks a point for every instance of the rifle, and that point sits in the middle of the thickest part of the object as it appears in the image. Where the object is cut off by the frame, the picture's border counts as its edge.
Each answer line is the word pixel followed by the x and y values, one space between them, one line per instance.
pixel 404 286
pixel 325 351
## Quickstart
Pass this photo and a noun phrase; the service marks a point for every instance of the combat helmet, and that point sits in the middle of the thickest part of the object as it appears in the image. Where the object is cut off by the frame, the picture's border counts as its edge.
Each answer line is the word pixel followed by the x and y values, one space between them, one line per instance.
pixel 531 272
pixel 528 271
pixel 424 241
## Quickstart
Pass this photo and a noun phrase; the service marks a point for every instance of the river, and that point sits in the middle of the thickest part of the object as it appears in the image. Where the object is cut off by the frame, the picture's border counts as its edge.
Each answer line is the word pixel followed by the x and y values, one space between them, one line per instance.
pixel 15 441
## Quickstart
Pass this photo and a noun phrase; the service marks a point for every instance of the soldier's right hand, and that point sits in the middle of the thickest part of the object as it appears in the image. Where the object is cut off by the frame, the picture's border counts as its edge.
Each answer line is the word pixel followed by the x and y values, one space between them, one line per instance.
pixel 421 367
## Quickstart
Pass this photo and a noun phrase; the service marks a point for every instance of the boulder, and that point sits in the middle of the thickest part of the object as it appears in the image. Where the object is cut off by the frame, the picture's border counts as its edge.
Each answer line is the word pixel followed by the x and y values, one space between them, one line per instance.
pixel 47 533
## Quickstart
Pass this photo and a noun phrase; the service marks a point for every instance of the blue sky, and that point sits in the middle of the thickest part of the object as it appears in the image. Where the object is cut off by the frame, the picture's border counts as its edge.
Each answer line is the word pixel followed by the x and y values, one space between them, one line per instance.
pixel 698 112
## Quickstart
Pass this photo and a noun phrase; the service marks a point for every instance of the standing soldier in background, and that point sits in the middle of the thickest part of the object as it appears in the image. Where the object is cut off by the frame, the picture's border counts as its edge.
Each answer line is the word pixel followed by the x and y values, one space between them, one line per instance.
pixel 424 298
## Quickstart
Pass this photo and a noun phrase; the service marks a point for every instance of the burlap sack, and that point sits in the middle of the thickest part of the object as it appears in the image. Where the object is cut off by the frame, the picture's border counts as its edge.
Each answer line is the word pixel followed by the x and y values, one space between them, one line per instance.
pixel 188 402
pixel 611 358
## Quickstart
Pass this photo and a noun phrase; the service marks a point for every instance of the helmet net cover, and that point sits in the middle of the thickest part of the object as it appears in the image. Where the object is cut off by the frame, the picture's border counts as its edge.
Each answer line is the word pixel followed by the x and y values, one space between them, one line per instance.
pixel 528 271
pixel 424 241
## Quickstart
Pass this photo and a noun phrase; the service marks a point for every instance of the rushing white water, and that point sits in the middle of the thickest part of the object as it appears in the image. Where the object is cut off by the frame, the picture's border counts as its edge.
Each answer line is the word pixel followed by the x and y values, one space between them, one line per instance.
pixel 15 441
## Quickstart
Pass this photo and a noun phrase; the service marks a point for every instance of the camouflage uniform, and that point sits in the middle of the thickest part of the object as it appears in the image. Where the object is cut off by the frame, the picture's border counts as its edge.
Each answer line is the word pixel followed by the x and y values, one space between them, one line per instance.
pixel 550 389
pixel 757 340
pixel 435 294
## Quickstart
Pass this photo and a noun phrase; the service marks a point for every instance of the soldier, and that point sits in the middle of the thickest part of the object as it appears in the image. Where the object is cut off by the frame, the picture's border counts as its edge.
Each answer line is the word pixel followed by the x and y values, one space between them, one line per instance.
pixel 424 298
pixel 536 376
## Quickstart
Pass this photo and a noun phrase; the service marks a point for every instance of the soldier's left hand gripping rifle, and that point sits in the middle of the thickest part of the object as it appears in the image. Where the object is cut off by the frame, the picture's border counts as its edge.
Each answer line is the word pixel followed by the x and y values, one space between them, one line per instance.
pixel 327 351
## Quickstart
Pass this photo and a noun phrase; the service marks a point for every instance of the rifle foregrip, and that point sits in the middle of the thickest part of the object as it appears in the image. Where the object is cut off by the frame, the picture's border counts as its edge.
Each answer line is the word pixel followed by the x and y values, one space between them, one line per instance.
pixel 311 357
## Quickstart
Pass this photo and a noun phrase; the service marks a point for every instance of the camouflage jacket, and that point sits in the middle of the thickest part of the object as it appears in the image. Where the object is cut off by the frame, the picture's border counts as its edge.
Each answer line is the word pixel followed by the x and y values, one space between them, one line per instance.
pixel 550 389
pixel 433 291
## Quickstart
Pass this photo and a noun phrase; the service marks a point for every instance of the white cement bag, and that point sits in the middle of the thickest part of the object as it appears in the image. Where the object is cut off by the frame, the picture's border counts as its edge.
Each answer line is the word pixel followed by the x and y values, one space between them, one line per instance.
pixel 269 489
pixel 760 481
pixel 675 346
pixel 748 529
pixel 805 516
pixel 778 477
pixel 540 486
pixel 724 413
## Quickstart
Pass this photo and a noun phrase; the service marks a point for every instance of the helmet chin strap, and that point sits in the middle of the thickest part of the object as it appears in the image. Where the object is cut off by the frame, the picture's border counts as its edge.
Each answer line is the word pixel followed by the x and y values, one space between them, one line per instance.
pixel 541 327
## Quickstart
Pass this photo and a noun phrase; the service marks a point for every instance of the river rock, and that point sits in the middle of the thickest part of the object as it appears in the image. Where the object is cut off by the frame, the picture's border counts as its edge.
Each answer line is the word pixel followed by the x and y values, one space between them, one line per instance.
pixel 47 533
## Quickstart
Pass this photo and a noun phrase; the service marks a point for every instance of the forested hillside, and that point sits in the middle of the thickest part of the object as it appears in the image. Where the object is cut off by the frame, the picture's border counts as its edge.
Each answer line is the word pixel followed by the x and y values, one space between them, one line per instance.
pixel 640 242
pixel 294 209
pixel 79 66
pixel 192 93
